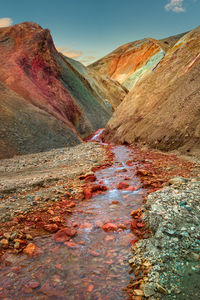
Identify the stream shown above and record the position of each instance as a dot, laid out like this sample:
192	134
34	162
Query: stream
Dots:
94	264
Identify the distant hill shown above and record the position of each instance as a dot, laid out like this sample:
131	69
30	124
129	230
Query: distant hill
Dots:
131	62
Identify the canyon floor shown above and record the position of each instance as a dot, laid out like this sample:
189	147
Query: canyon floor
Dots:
99	221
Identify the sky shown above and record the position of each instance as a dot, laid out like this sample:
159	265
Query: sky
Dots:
87	30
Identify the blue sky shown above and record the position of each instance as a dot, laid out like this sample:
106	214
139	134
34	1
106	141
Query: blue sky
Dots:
89	29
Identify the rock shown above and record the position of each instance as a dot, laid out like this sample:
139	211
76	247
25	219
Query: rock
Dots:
7	235
87	193
122	226
148	290
177	180
4	243
17	245
161	289
32	250
64	235
51	228
138	293
122	185
131	261
55	220
71	204
109	227
94	253
34	284
29	237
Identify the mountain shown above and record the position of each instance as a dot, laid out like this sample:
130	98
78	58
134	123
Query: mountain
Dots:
163	109
26	128
133	61
51	86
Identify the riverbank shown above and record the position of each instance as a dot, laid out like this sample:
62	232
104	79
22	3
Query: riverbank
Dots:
38	187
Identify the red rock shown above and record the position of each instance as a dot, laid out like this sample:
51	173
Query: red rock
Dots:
90	178
71	204
87	192
129	163
51	228
71	244
94	253
134	225
64	235
34	284
140	225
98	187
122	185
130	189
109	227
133	242
115	202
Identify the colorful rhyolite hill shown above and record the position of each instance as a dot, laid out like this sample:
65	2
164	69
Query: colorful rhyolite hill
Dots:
35	77
133	61
163	108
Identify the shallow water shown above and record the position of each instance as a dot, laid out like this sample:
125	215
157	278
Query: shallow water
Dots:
95	265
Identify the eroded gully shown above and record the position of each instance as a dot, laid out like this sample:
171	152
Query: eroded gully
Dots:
94	264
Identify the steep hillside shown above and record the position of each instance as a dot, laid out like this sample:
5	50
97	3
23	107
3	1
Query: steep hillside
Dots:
106	88
31	66
163	109
133	61
33	69
27	129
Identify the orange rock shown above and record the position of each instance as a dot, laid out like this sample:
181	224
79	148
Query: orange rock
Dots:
51	228
90	288
31	250
64	235
109	227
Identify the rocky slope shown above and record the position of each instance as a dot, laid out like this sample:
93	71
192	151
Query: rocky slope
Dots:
26	128
48	85
163	109
131	62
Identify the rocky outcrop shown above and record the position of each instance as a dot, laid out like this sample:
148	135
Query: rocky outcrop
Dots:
163	109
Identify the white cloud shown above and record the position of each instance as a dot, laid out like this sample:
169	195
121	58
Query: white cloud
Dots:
70	53
4	22
175	6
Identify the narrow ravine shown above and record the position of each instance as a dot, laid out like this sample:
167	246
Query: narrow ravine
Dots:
94	263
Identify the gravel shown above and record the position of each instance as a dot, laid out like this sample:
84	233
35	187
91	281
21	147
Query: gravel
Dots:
173	216
29	182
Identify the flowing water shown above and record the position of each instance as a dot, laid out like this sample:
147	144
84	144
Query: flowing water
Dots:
93	266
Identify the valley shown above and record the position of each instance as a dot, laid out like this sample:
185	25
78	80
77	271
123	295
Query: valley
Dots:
99	169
